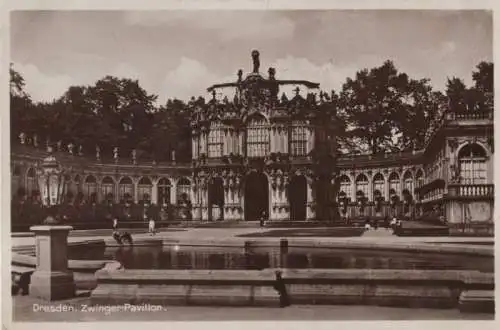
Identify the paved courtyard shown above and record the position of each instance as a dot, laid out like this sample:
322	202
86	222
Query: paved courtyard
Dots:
234	234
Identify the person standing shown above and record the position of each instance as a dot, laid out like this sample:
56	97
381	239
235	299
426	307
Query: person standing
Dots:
115	223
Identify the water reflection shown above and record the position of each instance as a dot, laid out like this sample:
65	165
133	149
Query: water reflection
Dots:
186	257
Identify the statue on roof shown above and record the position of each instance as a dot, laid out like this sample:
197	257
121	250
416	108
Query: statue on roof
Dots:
256	61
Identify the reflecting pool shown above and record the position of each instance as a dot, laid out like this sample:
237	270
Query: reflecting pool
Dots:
191	257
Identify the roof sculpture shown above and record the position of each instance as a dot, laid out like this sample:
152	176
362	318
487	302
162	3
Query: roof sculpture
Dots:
255	94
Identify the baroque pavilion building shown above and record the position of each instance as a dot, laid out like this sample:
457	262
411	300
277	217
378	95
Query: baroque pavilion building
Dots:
253	156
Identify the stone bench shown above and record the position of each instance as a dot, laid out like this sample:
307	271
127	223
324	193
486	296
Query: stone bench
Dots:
477	301
21	277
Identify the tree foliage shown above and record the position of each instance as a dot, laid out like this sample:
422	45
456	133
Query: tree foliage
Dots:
380	110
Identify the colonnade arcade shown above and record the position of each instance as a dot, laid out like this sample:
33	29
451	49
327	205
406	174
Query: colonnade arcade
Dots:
98	188
380	182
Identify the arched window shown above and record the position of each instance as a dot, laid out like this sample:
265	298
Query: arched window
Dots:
125	188
144	189
298	141
107	187
345	186
257	137
31	185
394	184
408	182
183	187
378	184
164	186
362	184
419	178
472	160
16	173
90	186
215	140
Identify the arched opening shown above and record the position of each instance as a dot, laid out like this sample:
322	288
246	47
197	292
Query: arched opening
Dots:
345	187
472	160
31	186
144	189
164	186
126	189
419	178
378	185
16	175
394	184
183	190
216	199
408	182
297	197
107	188
90	188
362	185
256	196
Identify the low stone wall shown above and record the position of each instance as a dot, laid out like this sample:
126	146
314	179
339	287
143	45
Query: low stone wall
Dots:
420	289
186	287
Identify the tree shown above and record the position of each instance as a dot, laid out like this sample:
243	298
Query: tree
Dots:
456	92
369	103
483	77
420	104
483	85
21	106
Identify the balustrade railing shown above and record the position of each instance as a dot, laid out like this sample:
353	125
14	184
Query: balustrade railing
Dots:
476	190
473	115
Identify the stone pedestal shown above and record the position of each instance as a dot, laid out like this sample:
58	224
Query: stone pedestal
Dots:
52	280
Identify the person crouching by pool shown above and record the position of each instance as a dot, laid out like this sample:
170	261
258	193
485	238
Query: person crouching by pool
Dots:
152	230
367	224
393	223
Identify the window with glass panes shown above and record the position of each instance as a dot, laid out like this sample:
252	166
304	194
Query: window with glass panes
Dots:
408	182
298	141
472	159
394	183
257	137
345	186
378	184
215	140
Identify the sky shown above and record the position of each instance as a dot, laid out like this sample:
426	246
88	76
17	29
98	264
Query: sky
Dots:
178	54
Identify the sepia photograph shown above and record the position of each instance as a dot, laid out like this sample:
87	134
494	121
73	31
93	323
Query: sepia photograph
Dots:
251	165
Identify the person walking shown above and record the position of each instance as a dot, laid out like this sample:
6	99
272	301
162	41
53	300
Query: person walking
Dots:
152	231
263	219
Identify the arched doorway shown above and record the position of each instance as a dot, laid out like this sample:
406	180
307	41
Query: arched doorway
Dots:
256	196
297	197
216	199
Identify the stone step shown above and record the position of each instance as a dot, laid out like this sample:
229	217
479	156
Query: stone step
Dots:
477	301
